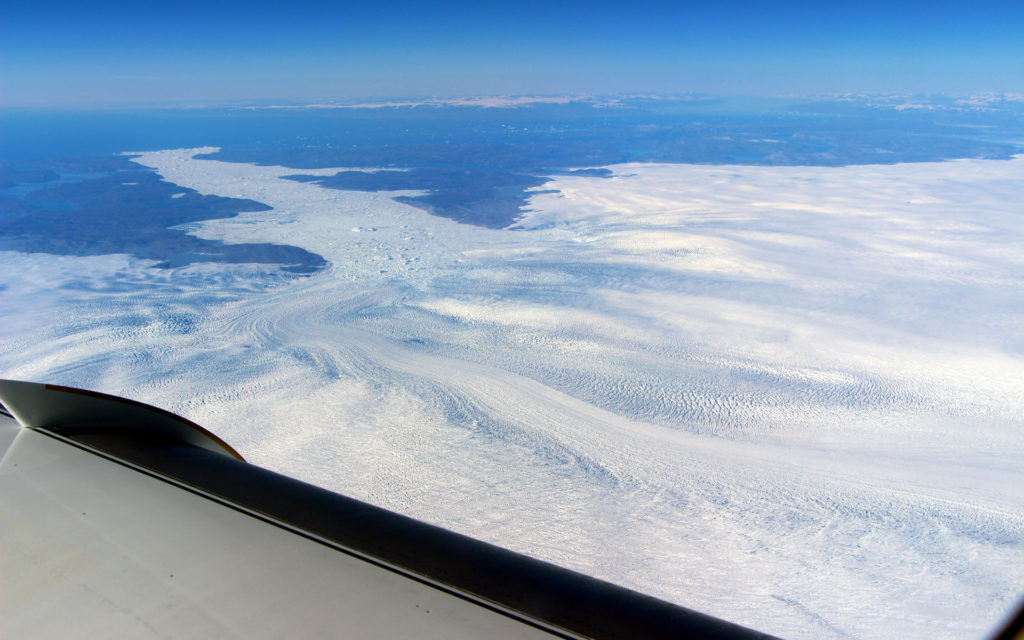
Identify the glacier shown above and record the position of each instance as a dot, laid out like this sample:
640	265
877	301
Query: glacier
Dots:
792	397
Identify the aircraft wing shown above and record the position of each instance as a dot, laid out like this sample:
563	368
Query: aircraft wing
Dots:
118	519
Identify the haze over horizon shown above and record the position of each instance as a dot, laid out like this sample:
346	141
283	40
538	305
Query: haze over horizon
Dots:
114	52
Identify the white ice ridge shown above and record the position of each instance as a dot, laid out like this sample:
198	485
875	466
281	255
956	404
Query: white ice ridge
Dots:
786	396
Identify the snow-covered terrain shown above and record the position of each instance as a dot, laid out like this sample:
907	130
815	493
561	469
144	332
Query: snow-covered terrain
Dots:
792	397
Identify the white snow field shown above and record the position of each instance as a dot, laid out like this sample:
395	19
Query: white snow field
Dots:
792	397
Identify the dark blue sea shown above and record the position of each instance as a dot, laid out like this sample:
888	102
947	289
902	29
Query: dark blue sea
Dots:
65	188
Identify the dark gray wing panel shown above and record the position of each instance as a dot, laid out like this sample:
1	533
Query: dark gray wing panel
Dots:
280	550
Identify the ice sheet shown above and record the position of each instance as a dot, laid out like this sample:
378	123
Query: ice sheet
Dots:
786	396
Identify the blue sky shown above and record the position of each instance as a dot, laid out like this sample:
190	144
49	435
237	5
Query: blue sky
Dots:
200	52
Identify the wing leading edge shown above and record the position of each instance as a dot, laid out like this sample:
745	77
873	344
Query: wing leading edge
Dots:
120	519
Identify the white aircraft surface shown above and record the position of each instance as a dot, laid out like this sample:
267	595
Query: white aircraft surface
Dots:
121	520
